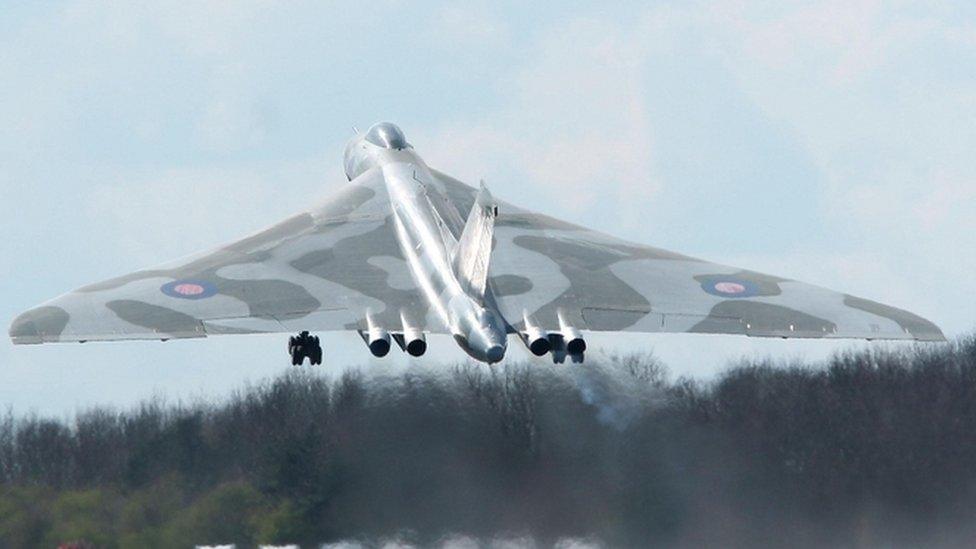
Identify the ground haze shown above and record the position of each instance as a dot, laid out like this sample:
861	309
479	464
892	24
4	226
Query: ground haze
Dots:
870	449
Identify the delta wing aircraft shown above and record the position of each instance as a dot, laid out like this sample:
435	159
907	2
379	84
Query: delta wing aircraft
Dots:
393	256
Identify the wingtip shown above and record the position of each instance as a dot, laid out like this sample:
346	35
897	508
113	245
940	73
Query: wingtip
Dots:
40	324
933	337
22	330
927	332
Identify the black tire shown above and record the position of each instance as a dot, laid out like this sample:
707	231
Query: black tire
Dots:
316	354
297	355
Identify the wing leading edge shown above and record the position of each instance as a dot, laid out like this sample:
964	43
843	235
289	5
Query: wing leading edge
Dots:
323	269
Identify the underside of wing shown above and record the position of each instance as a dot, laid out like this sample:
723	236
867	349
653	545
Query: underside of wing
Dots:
553	273
323	269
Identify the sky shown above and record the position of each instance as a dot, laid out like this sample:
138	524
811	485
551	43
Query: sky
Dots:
832	142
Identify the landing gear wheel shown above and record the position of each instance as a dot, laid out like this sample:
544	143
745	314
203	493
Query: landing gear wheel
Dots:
315	355
304	346
297	356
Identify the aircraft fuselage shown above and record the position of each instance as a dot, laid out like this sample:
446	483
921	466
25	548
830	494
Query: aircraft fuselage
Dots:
427	242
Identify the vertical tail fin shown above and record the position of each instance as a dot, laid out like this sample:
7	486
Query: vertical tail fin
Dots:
473	252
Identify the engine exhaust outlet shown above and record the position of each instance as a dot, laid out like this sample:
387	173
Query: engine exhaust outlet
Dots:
414	342
376	338
575	344
535	338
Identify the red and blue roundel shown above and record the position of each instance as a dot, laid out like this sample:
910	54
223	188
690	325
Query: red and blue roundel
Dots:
730	286
189	289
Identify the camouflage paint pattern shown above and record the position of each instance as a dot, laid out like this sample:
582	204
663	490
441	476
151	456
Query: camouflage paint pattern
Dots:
352	257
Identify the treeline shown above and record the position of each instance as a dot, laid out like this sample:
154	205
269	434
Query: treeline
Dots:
869	449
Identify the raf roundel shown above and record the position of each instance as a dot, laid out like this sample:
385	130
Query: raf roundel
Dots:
731	287
189	289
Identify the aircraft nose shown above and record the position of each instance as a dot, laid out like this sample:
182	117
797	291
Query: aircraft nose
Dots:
38	325
386	135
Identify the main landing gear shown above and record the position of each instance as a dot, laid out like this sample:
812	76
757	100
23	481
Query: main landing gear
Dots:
304	345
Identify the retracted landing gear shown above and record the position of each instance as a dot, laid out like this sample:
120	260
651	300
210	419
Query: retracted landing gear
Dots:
304	346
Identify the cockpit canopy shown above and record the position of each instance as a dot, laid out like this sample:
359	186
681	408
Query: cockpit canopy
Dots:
387	135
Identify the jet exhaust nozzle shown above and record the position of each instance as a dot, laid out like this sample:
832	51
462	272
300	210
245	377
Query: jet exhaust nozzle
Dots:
575	344
378	341
536	340
416	347
412	339
414	342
